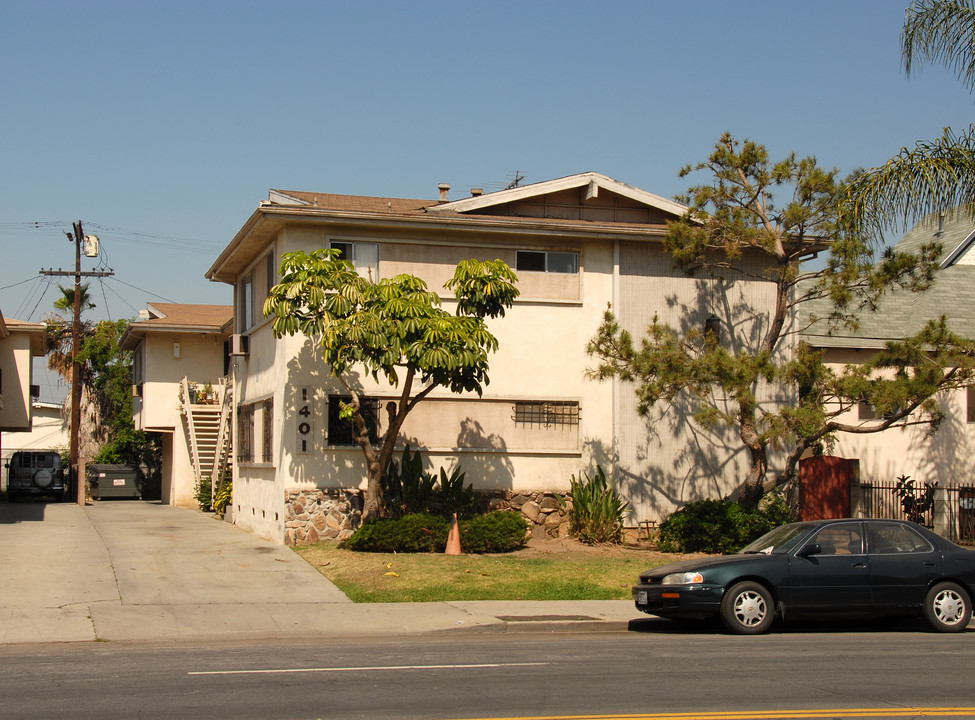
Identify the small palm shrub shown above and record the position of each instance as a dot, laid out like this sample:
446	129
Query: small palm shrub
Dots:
408	489
597	509
224	496
721	526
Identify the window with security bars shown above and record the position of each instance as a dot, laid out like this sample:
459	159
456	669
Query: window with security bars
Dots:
245	433
554	414
341	431
267	430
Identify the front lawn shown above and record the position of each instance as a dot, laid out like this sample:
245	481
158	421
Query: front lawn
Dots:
564	571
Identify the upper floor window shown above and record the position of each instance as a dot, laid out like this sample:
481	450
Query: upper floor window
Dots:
253	290
363	255
551	262
245	302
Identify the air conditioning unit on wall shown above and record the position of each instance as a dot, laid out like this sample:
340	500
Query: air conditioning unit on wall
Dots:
239	344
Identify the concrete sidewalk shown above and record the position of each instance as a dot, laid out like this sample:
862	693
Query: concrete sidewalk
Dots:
130	570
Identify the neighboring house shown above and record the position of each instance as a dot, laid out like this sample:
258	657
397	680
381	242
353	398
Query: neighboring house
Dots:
49	431
578	245
20	343
179	352
948	456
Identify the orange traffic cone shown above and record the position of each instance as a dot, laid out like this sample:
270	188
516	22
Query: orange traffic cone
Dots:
453	539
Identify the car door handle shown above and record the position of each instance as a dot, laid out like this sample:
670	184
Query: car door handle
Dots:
930	564
859	565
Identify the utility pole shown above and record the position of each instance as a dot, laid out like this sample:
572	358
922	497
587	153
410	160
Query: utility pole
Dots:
77	467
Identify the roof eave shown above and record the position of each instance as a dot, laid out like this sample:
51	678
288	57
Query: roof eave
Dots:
268	220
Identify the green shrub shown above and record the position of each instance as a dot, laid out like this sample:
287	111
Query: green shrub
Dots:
203	495
407	489
421	532
597	509
497	532
721	526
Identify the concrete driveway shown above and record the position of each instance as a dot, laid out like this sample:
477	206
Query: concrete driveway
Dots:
141	569
132	570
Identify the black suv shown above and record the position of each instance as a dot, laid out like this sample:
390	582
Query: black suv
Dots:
36	472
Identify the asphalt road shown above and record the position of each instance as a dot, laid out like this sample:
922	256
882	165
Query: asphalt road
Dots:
659	669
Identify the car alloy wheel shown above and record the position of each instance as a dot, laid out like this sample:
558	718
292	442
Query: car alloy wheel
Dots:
747	609
947	608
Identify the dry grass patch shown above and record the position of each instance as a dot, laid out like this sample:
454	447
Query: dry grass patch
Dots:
546	570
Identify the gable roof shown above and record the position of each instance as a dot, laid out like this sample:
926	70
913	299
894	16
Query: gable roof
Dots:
593	182
902	313
179	318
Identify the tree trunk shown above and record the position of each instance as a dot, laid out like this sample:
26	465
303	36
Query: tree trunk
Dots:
753	487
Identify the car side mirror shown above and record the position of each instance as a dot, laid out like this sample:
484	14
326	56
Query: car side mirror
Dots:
811	549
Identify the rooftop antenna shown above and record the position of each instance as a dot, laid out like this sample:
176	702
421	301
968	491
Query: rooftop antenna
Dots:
516	181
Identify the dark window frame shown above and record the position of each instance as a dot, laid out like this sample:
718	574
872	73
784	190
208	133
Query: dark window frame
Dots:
545	261
245	433
341	432
547	413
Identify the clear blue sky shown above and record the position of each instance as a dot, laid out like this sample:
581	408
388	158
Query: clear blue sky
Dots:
162	125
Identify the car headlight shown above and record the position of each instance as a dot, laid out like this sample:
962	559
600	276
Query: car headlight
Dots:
685	578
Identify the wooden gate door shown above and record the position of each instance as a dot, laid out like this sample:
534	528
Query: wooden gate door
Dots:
824	487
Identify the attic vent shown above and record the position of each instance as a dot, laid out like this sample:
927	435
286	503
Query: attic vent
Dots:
477	192
444	189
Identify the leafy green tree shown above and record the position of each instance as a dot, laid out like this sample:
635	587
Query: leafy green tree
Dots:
108	370
394	330
933	176
738	217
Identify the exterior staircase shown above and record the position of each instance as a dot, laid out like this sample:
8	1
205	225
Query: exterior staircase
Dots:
208	426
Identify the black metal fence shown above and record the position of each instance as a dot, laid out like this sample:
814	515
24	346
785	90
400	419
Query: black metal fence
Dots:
880	500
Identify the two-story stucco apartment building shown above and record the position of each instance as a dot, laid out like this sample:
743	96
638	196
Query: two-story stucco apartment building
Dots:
178	352
579	244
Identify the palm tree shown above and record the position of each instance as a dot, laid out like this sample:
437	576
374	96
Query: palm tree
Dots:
65	303
932	176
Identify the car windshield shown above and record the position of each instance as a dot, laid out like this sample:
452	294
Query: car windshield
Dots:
780	539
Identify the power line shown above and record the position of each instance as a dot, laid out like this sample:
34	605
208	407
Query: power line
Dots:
143	290
171	242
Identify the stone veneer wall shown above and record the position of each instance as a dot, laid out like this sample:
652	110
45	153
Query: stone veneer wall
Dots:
313	515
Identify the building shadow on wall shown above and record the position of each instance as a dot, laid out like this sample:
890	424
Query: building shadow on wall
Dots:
669	458
486	456
482	456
